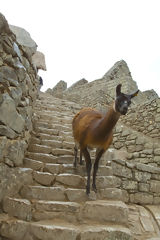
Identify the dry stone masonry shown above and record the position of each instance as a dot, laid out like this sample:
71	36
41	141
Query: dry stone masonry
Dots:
42	196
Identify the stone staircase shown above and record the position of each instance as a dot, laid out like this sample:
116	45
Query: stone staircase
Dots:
55	205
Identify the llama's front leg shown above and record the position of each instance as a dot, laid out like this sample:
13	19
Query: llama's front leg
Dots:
88	168
81	161
98	156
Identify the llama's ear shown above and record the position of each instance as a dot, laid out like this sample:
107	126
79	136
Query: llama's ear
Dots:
134	94
118	89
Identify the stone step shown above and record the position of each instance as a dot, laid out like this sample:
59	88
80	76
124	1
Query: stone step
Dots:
45	230
47	131
45	210
58	114
43	136
62	152
43	193
34	164
42	157
44	178
106	211
60	127
81	170
20	208
36	148
71	180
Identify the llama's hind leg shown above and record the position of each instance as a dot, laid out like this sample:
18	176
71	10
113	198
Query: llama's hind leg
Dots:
88	168
80	160
75	156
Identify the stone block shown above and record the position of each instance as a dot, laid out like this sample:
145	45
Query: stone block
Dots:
143	187
77	195
147	168
142	176
155	186
43	178
71	180
108	182
46	231
141	198
20	208
121	171
129	185
35	165
14	229
105	232
43	193
103	211
53	168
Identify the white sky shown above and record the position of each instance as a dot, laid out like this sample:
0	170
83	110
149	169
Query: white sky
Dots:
84	38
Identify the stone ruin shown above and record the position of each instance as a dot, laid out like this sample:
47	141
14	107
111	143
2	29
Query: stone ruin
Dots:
41	195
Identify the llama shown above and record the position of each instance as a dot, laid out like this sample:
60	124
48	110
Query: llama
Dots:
91	129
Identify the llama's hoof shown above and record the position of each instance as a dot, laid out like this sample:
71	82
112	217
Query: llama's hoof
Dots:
81	163
94	188
87	191
75	165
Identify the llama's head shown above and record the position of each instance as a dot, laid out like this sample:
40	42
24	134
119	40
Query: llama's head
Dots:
122	100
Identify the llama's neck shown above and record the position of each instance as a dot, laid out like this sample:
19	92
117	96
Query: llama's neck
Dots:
109	121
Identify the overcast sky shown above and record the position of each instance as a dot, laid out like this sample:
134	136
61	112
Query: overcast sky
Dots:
84	38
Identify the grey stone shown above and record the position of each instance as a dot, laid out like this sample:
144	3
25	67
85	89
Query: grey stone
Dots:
130	185
141	198
15	151
24	39
155	186
6	131
9	116
121	171
147	168
142	176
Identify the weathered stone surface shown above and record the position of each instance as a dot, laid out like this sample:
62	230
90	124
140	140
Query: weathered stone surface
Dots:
130	185
155	186
70	180
20	208
46	231
3	141
112	211
4	27
39	60
77	195
57	206
142	176
108	182
141	198
15	229
43	193
24	39
121	171
43	178
53	168
10	186
9	116
35	165
15	151
105	232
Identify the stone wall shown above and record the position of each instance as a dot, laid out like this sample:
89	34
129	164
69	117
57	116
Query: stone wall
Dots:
18	92
140	182
145	118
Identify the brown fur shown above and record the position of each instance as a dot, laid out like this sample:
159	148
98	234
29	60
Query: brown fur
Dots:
93	129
